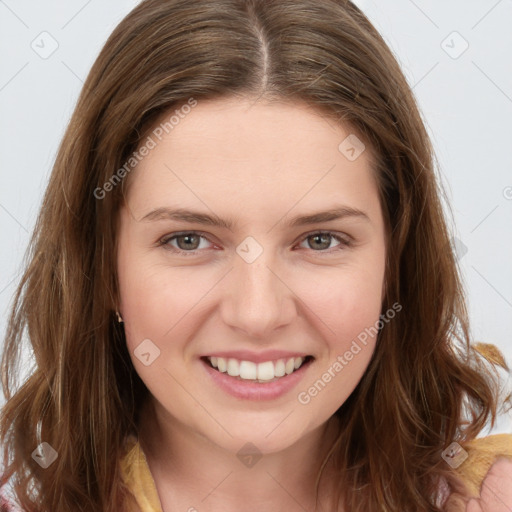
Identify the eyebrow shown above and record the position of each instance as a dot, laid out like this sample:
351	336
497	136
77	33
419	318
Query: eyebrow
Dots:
181	214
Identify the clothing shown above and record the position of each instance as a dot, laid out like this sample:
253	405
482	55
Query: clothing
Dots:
138	478
482	452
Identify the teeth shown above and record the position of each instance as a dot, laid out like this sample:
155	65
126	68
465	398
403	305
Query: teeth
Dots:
222	364
266	371
279	368
262	372
233	368
248	370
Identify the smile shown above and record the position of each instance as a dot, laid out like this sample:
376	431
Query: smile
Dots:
266	371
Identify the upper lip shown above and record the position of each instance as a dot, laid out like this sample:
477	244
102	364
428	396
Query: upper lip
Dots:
257	357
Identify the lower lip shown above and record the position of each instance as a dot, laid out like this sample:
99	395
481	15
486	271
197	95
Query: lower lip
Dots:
248	390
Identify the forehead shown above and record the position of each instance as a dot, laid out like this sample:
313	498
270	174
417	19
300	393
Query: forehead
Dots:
252	154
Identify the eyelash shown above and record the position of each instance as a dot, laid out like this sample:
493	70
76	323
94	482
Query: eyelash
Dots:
163	242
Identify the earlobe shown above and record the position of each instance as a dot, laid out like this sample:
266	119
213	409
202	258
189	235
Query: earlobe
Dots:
119	319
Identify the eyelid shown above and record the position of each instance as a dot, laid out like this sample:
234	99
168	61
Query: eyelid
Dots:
344	240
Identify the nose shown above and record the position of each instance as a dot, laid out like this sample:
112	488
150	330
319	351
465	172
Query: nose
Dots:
257	300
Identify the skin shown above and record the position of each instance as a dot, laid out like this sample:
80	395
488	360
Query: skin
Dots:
258	164
496	490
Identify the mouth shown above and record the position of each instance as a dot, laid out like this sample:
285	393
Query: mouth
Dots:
264	372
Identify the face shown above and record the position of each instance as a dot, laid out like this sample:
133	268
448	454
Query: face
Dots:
246	276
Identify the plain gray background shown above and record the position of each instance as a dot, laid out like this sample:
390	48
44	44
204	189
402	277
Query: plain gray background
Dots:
456	56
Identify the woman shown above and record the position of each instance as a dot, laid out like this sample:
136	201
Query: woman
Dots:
198	332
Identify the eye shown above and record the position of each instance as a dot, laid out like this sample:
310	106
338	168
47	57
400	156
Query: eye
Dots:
189	243
321	240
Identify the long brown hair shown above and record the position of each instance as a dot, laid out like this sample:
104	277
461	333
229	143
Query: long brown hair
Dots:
83	395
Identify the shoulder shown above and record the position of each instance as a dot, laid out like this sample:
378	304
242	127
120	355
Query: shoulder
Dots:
486	474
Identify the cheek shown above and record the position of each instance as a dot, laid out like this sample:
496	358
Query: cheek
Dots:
154	299
347	307
158	308
345	301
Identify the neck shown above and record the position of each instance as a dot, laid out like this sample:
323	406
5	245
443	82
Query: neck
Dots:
192	473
